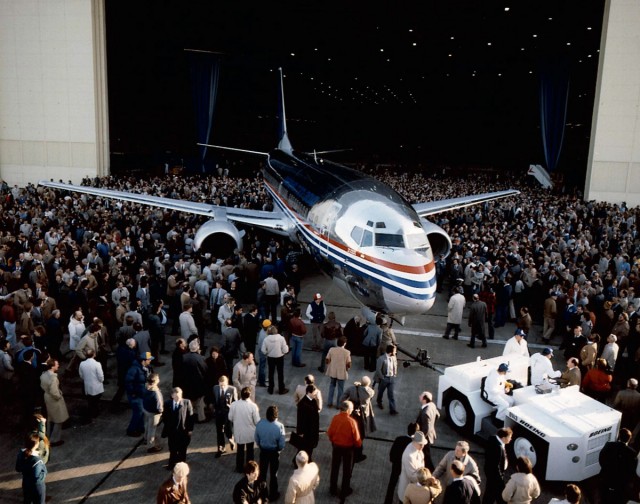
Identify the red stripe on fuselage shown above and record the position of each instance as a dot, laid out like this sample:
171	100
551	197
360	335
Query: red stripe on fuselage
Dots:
415	270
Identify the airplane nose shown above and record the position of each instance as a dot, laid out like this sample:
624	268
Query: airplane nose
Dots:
402	303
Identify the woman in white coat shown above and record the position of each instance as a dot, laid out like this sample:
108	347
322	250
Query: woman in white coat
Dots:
244	416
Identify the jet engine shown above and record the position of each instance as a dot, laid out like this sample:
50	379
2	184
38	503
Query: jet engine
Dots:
218	237
438	239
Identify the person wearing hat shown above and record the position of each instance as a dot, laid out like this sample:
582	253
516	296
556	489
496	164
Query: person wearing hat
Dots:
550	314
135	385
316	313
517	344
412	462
541	367
262	357
496	388
459	454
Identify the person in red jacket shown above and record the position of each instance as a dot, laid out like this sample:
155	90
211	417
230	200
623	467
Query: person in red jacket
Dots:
345	438
597	382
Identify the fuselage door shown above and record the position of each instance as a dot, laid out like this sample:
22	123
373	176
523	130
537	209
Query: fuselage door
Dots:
324	248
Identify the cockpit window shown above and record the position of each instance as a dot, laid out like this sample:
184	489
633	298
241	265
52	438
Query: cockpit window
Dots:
389	240
367	239
417	241
356	234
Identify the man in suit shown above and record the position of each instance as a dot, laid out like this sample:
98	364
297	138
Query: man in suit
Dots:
427	420
223	395
395	456
178	421
308	420
477	320
460	454
386	372
618	463
462	489
495	465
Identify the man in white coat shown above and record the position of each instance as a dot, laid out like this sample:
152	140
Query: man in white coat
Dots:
412	461
517	345
455	308
541	367
244	416
91	373
496	387
303	481
76	329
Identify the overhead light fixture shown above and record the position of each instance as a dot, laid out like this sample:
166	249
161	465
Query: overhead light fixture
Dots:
506	9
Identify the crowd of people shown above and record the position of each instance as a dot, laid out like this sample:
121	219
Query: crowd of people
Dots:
85	280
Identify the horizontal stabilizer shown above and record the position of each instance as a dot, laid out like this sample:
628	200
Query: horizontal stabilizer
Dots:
234	149
541	175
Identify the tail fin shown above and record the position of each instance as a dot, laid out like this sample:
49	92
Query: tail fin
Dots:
284	144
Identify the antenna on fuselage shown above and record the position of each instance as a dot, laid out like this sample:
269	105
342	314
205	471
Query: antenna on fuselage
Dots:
284	144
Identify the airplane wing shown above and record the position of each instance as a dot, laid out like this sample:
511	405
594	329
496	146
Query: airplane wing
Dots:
435	207
273	221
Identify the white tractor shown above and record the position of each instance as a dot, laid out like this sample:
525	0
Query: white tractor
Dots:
562	431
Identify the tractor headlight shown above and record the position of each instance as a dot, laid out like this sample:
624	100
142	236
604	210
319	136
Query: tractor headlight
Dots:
572	447
575	460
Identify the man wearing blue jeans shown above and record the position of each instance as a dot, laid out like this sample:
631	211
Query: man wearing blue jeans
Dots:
386	372
298	330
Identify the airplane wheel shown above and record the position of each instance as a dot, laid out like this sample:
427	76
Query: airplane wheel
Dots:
459	412
527	444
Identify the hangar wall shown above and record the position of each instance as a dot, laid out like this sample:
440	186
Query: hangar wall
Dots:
53	90
613	170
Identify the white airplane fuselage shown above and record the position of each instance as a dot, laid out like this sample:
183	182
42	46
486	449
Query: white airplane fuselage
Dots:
361	231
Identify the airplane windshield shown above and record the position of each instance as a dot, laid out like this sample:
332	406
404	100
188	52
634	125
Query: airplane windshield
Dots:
389	240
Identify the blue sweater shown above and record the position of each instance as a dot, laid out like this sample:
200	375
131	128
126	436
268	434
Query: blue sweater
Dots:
270	435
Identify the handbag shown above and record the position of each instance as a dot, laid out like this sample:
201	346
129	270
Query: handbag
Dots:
297	441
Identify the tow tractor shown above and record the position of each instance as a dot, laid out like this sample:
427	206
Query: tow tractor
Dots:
561	430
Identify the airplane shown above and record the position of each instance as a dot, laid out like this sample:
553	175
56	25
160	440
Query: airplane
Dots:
375	245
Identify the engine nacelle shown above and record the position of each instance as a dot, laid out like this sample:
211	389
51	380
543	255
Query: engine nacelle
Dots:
438	239
220	238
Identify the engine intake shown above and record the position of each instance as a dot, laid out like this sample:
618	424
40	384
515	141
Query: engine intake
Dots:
438	238
220	238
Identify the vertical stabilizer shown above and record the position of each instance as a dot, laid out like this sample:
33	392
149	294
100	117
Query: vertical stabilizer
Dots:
284	144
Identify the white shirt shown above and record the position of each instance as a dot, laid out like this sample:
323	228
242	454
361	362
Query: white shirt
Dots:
540	366
514	347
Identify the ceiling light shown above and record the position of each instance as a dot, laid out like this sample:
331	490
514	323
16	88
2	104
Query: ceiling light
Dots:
293	54
414	44
588	28
506	9
534	35
488	43
452	38
568	43
381	50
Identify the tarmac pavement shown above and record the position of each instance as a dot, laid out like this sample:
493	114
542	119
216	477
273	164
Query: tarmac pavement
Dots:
99	463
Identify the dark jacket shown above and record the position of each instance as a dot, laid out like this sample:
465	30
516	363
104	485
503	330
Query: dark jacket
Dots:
136	379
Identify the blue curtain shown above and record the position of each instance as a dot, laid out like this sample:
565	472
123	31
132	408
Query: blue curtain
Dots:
554	96
205	72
